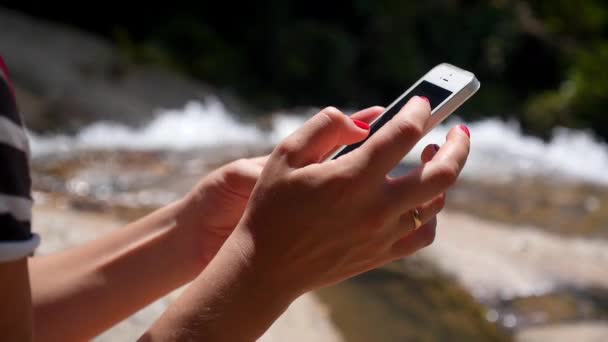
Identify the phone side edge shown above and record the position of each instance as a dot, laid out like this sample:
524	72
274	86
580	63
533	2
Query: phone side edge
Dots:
453	103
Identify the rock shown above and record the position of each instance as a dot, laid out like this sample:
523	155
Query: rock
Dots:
129	184
415	303
564	206
61	227
497	260
567	332
528	277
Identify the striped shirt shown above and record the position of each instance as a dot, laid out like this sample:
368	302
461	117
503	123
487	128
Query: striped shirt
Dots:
16	238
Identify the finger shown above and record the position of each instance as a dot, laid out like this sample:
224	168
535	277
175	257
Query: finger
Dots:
429	152
366	115
241	176
385	149
431	208
418	239
318	136
369	114
433	177
261	161
427	211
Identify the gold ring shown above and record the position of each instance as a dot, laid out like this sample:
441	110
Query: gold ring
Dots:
416	217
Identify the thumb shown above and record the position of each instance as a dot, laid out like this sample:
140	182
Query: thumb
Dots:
319	135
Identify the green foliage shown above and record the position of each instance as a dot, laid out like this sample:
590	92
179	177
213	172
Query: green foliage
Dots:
540	61
581	31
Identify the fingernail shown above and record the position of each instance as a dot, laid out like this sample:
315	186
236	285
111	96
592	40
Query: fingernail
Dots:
7	77
465	129
361	124
435	147
425	99
3	68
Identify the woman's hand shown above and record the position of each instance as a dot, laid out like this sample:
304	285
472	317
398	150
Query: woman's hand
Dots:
213	208
309	224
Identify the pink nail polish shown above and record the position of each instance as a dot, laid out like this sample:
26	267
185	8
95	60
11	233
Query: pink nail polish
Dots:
465	130
7	77
3	68
425	99
361	124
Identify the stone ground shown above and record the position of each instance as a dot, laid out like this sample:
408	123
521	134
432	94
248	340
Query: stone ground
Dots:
60	228
471	249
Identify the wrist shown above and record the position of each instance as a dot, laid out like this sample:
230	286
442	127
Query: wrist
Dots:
186	239
265	277
231	290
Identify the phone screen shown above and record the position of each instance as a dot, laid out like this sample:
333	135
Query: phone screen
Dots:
434	93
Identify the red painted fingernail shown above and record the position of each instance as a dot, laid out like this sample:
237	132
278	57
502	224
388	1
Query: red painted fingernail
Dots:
4	72
425	99
435	147
361	124
465	129
3	68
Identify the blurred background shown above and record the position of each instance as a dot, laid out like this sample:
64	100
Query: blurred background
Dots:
128	107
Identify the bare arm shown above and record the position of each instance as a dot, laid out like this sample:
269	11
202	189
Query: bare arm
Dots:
81	292
15	310
229	301
16	240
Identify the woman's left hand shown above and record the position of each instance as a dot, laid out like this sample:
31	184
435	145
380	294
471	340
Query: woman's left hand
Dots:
214	207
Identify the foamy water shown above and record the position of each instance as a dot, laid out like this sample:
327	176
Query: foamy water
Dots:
499	150
197	124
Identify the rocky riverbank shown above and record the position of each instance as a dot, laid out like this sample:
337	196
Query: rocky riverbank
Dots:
481	280
84	195
520	251
62	226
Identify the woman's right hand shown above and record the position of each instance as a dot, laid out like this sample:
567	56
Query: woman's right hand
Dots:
311	223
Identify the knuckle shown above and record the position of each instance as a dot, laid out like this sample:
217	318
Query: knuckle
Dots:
285	148
341	179
446	174
331	118
331	111
440	203
308	179
427	235
340	185
342	175
239	164
234	168
322	182
332	115
408	130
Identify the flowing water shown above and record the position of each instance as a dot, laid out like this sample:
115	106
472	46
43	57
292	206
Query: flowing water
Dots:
540	208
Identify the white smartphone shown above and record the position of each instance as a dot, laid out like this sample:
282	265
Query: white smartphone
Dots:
446	86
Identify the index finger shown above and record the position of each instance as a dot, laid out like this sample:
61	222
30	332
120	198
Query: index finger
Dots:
394	137
368	114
